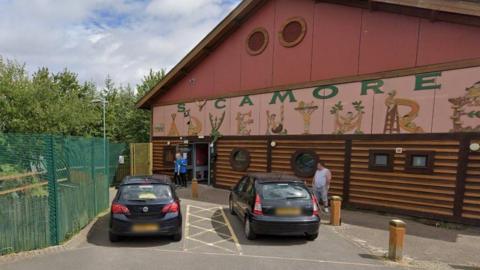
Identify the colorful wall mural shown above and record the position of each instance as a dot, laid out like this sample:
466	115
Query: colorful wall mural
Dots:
439	102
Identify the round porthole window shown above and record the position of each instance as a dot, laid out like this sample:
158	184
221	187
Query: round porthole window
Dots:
240	159
304	163
293	32
257	41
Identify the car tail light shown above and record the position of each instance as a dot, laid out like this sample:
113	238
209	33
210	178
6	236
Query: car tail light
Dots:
171	208
257	209
315	205
118	208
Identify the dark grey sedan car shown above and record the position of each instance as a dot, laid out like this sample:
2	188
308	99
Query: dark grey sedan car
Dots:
146	206
273	203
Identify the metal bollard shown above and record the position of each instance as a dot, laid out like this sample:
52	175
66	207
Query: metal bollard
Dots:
336	206
397	237
194	188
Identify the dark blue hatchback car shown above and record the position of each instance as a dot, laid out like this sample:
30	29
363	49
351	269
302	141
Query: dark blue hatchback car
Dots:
146	206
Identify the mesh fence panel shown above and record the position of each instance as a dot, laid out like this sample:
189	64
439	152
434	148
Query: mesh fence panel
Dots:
51	187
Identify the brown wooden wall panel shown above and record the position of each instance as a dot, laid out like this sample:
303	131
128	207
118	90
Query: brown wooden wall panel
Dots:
332	152
471	201
157	156
426	193
225	176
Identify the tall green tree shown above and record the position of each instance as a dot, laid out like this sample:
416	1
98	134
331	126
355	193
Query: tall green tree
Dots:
58	103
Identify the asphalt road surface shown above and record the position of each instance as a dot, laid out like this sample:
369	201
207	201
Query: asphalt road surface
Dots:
212	239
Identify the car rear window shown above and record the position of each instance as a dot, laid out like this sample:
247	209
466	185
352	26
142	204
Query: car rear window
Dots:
284	191
145	193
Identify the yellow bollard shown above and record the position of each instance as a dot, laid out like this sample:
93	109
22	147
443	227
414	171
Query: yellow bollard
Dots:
194	188
397	237
336	206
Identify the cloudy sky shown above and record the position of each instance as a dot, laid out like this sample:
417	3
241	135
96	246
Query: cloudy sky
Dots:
122	38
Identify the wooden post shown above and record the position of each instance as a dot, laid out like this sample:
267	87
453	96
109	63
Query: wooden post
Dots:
194	188
336	205
397	236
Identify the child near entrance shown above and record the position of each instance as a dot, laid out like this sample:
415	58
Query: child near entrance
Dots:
180	170
321	184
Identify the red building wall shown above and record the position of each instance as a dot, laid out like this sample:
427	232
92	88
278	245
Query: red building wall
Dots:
340	41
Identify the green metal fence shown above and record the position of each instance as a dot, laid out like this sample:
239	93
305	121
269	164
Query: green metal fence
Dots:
51	187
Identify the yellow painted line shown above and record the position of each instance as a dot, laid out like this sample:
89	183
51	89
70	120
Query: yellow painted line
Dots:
194	211
292	259
208	244
187	227
206	219
234	236
203	209
209	230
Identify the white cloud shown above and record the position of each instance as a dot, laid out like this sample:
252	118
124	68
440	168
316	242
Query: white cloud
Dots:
122	38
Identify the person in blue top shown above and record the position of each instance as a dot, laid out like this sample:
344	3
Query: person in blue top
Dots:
176	176
180	170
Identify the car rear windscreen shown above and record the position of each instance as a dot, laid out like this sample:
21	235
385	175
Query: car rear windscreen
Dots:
284	191
145	193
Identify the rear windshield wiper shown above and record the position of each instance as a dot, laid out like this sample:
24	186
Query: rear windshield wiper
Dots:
138	200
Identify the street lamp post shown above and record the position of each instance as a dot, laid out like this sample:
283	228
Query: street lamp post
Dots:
104	102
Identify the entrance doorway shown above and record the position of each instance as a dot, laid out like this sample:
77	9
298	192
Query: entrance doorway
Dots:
201	162
198	159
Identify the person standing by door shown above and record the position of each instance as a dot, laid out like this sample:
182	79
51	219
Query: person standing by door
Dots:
321	184
176	166
181	167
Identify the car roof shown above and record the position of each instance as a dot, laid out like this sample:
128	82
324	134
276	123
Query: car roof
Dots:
150	179
274	177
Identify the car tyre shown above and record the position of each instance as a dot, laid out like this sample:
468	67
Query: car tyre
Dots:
311	237
113	237
230	207
248	230
177	237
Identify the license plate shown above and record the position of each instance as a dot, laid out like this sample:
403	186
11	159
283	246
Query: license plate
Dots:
142	228
288	211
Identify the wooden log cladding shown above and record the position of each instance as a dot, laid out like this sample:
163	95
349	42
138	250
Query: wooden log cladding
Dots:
157	156
471	200
330	151
225	176
400	189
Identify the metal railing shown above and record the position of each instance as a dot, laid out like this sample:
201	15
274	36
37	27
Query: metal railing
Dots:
51	187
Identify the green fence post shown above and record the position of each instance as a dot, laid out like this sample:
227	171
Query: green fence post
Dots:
52	191
93	179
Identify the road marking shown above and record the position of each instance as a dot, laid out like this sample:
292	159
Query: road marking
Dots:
187	227
392	264
195	211
234	236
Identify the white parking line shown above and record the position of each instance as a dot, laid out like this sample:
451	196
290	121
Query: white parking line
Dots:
194	211
392	265
234	236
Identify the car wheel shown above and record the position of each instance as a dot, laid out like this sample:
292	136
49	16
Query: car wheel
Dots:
248	230
177	237
230	207
113	237
311	237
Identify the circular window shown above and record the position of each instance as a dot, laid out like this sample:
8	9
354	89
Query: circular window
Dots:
304	163
257	41
293	32
240	159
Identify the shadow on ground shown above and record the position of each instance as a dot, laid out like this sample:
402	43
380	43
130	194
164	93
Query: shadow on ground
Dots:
206	194
98	235
262	240
464	267
424	228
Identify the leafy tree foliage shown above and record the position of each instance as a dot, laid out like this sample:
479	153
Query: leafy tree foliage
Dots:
58	103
